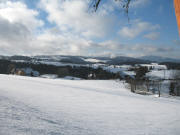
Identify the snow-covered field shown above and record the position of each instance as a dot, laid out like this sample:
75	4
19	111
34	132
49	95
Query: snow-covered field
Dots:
162	74
38	106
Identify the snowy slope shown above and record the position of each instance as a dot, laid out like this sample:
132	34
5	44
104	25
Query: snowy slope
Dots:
93	60
37	106
162	74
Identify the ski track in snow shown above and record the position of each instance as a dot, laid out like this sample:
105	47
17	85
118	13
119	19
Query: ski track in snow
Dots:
36	106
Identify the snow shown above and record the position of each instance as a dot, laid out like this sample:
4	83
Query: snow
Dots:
72	78
94	60
116	69
49	76
22	61
38	106
130	73
155	66
162	74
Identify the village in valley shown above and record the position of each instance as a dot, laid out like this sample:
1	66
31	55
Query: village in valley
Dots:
152	78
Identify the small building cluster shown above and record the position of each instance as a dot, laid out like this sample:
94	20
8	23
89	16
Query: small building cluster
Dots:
24	72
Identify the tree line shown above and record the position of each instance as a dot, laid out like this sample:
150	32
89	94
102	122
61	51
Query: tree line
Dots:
83	72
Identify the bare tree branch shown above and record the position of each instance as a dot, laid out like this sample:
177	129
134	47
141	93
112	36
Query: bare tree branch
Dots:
125	3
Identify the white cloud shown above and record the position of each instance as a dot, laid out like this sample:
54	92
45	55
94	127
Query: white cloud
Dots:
152	35
12	31
49	43
18	25
72	33
3	1
112	45
136	28
17	12
72	16
151	49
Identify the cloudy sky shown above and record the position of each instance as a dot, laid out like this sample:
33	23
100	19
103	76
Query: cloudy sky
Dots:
70	27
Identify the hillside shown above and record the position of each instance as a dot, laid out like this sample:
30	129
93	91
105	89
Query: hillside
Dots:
36	106
62	59
159	59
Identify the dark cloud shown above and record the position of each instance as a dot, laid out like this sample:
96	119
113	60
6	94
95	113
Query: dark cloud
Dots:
12	31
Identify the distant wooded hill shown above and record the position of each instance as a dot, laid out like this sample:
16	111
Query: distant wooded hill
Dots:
90	60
